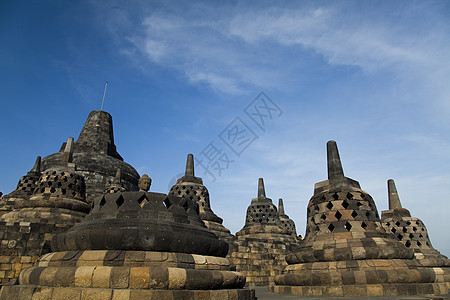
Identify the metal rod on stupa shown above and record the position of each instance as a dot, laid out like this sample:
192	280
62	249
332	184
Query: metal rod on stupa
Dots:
394	199
261	189
190	165
37	165
335	170
104	94
280	207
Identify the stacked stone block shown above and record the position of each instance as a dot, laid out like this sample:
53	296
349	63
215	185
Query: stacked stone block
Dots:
347	252
262	244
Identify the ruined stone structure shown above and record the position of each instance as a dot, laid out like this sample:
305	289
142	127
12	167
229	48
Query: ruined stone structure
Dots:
192	187
134	245
263	242
287	223
347	252
410	231
94	156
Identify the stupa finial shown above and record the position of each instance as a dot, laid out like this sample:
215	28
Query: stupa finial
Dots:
68	151
335	170
261	189
118	177
190	165
280	207
394	199
37	165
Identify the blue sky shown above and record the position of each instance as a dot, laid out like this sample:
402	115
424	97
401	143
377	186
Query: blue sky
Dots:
372	75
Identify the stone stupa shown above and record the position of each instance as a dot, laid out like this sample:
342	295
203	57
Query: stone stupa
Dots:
410	231
134	245
347	252
192	187
287	223
263	242
94	156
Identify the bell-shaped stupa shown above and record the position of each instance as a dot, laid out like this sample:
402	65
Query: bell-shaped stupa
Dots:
24	189
94	156
263	242
410	231
192	187
347	252
135	245
287	223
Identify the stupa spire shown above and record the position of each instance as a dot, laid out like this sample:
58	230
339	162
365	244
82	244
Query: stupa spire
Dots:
37	165
335	170
261	189
394	199
68	151
280	207
190	165
118	177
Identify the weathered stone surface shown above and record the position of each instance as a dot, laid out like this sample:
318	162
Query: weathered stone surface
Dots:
347	252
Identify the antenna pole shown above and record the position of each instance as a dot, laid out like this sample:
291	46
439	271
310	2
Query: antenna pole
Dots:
104	94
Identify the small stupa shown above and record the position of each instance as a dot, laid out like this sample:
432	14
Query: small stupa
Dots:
347	252
410	231
134	245
192	187
24	189
287	223
263	242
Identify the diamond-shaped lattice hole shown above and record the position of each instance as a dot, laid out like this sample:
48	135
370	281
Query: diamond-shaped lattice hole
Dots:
142	201
408	244
428	244
354	214
316	208
322	198
186	206
120	201
397	223
317	228
345	204
323	217
335	196
400	237
349	196
420	235
411	235
408	223
367	214
330	205
419	243
404	229
414	228
348	226
331	227
388	224
363	225
338	215
393	230
103	202
359	204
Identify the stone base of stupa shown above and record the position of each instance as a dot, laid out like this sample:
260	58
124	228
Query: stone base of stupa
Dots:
361	278
117	274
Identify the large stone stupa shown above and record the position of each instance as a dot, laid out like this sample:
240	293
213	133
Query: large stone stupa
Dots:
94	156
134	245
347	252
